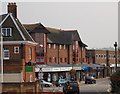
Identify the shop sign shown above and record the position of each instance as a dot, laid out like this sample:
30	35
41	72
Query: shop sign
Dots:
65	68
77	68
56	69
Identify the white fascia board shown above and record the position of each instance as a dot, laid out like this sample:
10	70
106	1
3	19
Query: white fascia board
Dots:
4	20
28	33
19	42
17	27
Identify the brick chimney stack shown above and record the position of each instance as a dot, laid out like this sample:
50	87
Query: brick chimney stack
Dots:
12	8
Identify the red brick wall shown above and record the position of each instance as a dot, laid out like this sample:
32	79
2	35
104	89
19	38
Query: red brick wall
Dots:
55	53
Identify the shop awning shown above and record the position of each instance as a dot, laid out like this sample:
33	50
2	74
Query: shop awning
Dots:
96	66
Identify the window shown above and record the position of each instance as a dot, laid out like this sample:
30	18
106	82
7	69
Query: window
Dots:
104	56
99	55
54	46
16	50
6	54
50	60
60	59
39	59
49	45
64	46
7	32
55	60
96	55
60	46
30	53
31	78
65	59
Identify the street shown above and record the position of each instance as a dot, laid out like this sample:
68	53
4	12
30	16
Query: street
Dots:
101	87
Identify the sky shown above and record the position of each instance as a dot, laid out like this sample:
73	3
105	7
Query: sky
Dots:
96	22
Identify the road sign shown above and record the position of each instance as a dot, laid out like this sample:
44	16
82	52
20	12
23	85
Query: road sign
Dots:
40	74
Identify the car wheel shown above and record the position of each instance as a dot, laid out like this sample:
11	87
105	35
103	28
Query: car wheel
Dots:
85	82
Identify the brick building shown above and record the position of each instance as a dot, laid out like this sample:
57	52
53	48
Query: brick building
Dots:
18	54
39	34
64	50
102	57
65	47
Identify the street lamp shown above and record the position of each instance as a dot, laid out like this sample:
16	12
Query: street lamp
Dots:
1	55
115	45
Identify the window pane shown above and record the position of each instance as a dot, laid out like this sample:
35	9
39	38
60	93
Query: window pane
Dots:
8	32
30	53
4	31
6	54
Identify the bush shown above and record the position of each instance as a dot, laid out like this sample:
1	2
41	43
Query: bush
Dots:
115	82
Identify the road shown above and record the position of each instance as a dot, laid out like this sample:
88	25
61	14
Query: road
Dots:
101	87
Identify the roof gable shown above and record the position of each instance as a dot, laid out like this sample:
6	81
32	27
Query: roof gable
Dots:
59	36
36	28
18	31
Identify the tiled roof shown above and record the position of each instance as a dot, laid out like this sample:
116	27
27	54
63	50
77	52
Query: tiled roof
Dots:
59	36
20	32
2	17
38	28
24	31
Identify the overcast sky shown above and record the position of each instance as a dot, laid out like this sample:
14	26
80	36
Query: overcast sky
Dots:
96	22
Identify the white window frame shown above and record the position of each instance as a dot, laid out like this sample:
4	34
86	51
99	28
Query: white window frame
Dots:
64	46
54	46
8	52
6	33
30	53
96	55
16	49
31	77
60	46
49	45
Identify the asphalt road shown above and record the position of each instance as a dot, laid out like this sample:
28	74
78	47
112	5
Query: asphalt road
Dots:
101	87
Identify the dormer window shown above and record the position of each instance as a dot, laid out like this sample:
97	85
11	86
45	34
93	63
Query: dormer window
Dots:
7	32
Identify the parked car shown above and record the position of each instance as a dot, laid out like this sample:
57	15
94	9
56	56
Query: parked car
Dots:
60	82
46	84
90	80
71	87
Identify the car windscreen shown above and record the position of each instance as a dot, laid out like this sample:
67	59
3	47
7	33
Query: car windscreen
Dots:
73	84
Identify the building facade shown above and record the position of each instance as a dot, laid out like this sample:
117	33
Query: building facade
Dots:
103	57
18	53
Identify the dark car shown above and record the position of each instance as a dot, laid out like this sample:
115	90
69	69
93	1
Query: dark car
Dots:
60	82
71	88
90	80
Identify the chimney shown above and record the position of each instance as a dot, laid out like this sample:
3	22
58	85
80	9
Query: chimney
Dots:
12	8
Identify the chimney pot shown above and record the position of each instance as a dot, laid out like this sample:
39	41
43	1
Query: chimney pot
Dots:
12	8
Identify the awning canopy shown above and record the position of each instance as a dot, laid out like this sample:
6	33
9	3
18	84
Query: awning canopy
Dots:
96	66
61	67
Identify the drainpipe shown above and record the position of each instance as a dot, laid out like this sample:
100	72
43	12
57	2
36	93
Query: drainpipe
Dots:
58	53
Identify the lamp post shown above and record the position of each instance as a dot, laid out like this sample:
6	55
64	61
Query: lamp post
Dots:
1	55
115	45
40	77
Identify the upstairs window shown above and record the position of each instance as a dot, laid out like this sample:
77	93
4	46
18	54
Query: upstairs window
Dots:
6	54
30	53
16	50
49	45
64	46
60	46
54	46
7	32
